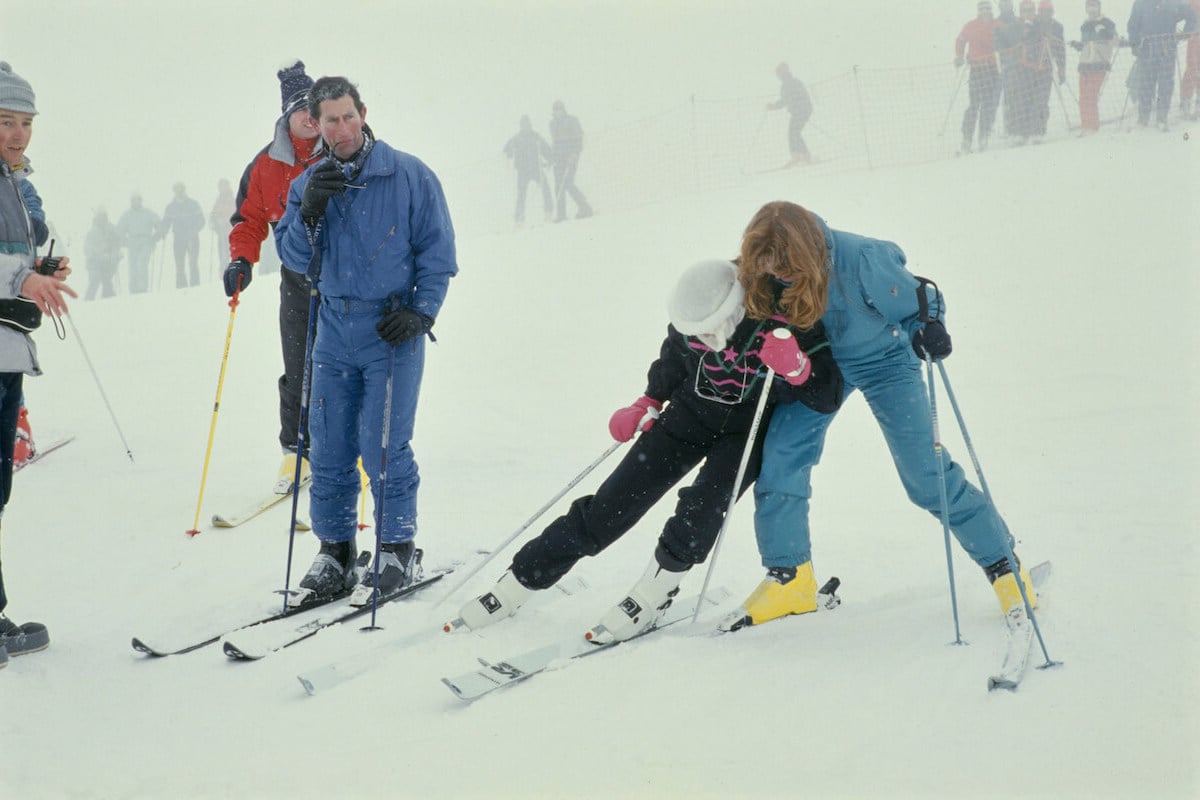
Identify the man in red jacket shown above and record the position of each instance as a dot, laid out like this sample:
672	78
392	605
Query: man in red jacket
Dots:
261	201
976	46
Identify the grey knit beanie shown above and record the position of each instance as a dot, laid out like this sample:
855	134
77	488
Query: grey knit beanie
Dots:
15	92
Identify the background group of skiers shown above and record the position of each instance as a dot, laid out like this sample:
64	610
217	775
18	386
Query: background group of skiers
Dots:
137	234
1020	58
530	154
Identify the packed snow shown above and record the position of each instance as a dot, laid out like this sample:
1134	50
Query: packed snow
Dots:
1069	272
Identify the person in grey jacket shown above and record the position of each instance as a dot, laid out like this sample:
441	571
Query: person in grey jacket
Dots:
29	286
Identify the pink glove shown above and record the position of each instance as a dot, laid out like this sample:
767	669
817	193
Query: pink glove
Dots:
640	416
781	353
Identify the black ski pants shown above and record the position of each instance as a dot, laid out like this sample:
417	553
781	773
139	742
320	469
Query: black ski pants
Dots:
294	301
983	87
686	434
10	406
564	184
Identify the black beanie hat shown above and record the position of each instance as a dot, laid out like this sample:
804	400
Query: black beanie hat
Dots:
293	87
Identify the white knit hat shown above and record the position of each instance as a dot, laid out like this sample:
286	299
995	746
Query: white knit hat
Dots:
706	297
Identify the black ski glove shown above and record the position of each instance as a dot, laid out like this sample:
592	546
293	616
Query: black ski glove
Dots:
237	274
325	181
401	325
932	339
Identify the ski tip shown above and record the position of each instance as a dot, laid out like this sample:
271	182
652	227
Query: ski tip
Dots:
309	689
144	648
238	654
995	683
450	685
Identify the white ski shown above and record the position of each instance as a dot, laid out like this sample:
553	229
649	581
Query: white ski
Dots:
335	673
265	504
495	675
1020	637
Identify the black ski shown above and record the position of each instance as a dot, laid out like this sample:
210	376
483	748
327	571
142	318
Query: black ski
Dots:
364	558
245	651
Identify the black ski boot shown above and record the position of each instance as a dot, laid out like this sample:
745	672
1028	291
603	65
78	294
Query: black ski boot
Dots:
18	640
332	572
399	565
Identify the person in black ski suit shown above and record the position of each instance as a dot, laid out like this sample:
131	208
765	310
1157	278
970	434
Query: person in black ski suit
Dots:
529	152
566	137
794	97
709	375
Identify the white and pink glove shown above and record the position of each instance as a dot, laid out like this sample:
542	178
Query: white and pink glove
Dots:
781	353
640	416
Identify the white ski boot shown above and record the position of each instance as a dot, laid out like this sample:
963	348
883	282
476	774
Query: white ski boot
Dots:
641	608
501	602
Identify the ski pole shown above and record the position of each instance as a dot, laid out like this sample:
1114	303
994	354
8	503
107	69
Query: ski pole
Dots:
953	97
382	482
313	273
737	482
536	515
99	386
938	452
944	502
1009	554
212	428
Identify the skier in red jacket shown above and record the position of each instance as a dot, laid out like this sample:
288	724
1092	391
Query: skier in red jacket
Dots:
261	201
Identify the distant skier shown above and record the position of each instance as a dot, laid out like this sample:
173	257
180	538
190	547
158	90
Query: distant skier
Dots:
1097	45
566	137
1153	35
184	216
529	152
794	97
976	46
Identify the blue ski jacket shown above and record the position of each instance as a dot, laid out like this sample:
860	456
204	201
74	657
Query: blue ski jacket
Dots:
873	303
387	234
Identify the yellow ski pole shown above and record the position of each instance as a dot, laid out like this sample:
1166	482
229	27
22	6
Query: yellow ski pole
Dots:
212	430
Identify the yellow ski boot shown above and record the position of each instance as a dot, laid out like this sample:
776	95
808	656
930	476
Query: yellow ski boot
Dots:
1004	583
287	473
785	591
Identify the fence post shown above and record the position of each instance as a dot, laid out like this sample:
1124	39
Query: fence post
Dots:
862	117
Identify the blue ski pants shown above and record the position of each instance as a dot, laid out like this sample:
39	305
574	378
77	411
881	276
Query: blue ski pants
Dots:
896	394
350	366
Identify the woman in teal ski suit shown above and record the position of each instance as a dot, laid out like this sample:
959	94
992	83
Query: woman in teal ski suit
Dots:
792	263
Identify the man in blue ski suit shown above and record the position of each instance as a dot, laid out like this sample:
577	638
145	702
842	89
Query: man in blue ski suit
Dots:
371	228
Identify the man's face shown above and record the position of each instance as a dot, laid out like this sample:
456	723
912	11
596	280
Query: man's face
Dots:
1093	10
342	126
302	125
15	130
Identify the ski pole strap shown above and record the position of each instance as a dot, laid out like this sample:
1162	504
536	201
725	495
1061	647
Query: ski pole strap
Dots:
923	298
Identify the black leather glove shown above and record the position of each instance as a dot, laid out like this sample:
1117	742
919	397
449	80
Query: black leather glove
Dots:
932	339
237	275
401	325
325	181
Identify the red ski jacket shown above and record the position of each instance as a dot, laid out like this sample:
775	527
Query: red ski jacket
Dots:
977	41
262	193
